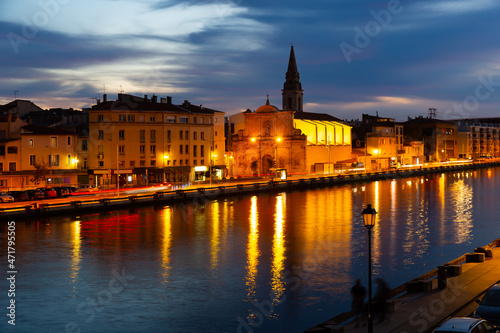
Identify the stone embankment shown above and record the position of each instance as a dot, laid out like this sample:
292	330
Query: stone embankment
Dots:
419	305
78	205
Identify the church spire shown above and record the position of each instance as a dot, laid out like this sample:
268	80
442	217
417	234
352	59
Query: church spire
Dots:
292	89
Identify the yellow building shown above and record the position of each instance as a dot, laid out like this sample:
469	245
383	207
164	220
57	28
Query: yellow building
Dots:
53	147
145	141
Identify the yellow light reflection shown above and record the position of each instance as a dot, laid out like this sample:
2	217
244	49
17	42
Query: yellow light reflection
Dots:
167	243
252	249
461	213
76	255
278	250
215	240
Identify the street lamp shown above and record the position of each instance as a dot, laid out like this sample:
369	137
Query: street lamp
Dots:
50	164
369	220
165	157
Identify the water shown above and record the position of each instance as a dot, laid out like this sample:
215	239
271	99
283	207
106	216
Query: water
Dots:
267	263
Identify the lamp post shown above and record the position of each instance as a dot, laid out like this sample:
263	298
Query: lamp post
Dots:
165	157
369	220
50	164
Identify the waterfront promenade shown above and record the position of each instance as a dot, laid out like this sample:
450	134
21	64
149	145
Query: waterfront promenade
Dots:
421	312
208	191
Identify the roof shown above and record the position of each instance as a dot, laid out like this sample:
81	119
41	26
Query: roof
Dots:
315	116
134	103
425	120
43	130
267	107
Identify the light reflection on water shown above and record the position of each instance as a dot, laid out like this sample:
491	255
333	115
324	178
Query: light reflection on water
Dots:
269	262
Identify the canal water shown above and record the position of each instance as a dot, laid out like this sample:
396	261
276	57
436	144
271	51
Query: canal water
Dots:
278	262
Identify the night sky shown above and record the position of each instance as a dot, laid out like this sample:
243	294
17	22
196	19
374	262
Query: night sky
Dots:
354	56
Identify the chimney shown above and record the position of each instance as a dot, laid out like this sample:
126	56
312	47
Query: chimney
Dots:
154	99
145	98
186	103
104	98
163	100
169	100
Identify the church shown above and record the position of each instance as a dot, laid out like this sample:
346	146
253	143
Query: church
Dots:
289	139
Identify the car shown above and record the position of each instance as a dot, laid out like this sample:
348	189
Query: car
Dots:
4	197
19	195
465	325
35	194
489	306
48	192
86	188
61	191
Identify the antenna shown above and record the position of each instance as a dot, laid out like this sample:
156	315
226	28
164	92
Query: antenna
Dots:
432	113
104	88
121	89
15	94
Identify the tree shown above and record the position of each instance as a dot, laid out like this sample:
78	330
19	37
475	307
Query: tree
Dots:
40	172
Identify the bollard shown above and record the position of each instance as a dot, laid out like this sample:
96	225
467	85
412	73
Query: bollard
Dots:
442	277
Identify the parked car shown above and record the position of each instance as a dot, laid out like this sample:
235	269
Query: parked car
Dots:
489	306
4	197
71	189
19	195
86	188
35	194
48	192
61	191
466	325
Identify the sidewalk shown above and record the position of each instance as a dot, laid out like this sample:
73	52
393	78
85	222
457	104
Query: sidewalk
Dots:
421	312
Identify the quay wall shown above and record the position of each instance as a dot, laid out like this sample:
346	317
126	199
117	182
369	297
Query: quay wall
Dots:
80	205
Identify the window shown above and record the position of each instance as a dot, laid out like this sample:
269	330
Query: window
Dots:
12	166
152	149
183	120
11	150
170	119
141	118
180	162
153	136
180	135
68	161
69	141
131	118
186	135
202	135
121	134
202	151
53	160
142	163
100	149
85	163
201	120
153	162
131	164
142	149
122	118
194	120
53	141
168	149
173	162
180	149
142	136
31	143
32	159
187	162
121	150
1	167
100	135
215	133
100	118
195	135
101	164
202	162
84	145
122	163
152	119
195	162
169	135
187	149
194	151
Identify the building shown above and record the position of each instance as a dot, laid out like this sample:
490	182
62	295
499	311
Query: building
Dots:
439	137
477	139
291	139
141	141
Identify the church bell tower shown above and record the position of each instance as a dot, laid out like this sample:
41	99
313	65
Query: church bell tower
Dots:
292	89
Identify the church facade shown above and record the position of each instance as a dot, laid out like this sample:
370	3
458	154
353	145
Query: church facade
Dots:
292	139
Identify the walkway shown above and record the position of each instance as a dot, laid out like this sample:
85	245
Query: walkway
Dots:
421	312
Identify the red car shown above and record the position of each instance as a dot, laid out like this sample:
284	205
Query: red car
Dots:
48	192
